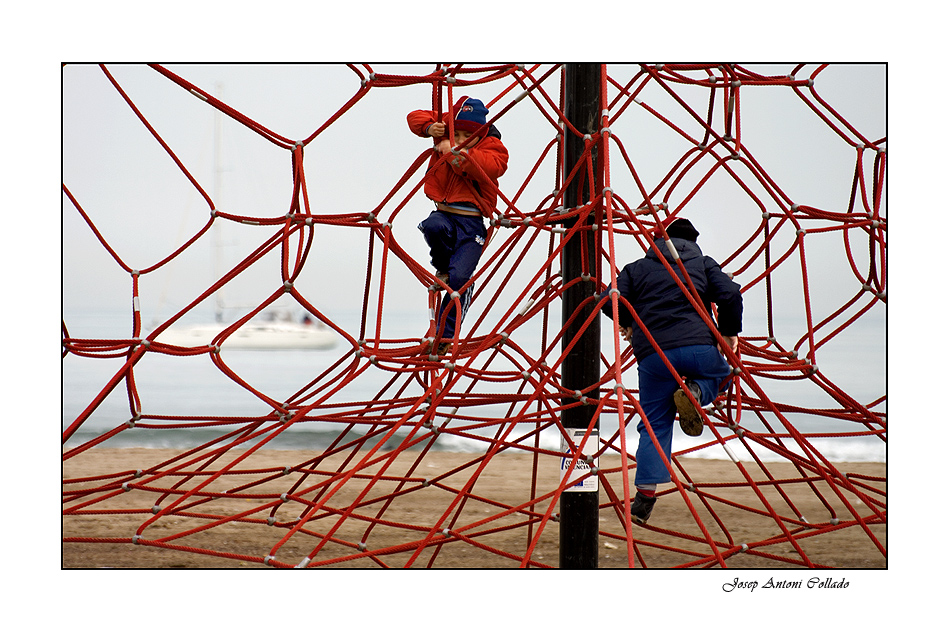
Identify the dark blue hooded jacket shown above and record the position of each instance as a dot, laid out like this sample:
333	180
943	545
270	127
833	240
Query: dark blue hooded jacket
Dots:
661	305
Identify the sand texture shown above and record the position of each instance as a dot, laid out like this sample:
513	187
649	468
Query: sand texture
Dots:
447	510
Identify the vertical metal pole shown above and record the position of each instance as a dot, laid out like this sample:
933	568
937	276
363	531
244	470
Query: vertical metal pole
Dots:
579	528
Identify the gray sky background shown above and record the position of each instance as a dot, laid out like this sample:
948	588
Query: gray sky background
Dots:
145	207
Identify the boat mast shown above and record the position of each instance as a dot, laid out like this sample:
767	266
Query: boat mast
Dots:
216	228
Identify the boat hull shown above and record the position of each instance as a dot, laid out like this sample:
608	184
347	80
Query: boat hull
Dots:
251	336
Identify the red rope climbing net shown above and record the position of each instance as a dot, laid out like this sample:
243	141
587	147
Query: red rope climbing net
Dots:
379	487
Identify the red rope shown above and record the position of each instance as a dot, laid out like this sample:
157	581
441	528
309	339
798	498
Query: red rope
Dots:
349	494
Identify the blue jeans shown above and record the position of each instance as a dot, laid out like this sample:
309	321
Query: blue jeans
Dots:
703	365
455	245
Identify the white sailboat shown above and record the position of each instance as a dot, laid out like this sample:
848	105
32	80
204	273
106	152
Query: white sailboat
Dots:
266	334
274	330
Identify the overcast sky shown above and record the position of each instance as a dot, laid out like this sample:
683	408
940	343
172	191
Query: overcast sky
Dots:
145	208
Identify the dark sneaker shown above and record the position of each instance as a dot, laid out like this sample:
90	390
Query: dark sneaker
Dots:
444	348
641	507
443	276
690	420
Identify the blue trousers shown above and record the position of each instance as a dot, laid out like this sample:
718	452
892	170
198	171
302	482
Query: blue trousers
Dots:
703	365
455	245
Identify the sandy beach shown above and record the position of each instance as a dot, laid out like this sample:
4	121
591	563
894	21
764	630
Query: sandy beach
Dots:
407	511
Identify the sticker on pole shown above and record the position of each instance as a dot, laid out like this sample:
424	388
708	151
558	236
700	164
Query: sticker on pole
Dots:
582	467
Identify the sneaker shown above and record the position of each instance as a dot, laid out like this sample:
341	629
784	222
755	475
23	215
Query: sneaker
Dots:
690	420
444	348
443	276
642	507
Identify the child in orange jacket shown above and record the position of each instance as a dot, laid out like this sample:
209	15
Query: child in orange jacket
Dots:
465	190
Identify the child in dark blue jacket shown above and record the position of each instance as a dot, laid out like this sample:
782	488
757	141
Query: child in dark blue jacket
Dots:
685	339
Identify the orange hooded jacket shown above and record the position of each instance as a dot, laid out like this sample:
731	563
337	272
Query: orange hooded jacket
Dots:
471	177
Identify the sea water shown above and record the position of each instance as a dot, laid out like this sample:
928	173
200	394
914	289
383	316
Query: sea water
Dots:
195	387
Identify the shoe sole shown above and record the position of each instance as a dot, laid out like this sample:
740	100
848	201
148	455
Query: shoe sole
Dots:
690	421
648	510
